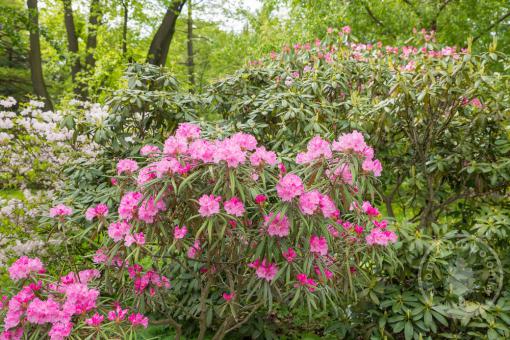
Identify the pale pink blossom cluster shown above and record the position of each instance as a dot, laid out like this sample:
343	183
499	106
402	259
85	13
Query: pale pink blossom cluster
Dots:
319	245
126	166
264	269
99	211
382	237
277	225
60	210
23	267
289	186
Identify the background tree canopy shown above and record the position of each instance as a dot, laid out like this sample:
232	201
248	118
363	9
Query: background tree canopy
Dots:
86	44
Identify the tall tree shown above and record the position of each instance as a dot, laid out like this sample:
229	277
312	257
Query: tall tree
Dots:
160	44
125	12
34	54
190	63
72	42
94	20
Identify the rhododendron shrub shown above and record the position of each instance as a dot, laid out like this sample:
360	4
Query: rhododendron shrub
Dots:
43	306
230	228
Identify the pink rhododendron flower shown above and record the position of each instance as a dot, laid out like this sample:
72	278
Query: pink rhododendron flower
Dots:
382	224
202	150
259	199
289	255
180	233
149	209
234	206
60	330
264	270
95	320
166	167
261	157
245	141
79	299
353	141
100	210
138	320
333	231
146	174
100	256
16	334
304	281
129	204
309	202
230	152
128	166
318	245
118	314
24	266
346	29
381	237
327	273
328	207
277	225
316	148
41	312
118	230
373	166
192	251
60	210
228	296
137	238
369	209
187	131
289	187
149	150
341	172
175	146
209	205
358	229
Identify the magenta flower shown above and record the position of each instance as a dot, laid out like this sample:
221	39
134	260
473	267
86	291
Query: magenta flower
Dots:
137	238
127	166
228	296
304	281
95	320
381	237
289	255
289	187
138	320
118	314
117	230
192	251
209	205
259	199
234	206
318	245
261	157
180	233
373	166
264	270
369	209
175	145
41	312
60	330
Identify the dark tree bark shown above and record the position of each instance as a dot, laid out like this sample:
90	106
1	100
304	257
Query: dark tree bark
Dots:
72	42
125	7
94	18
190	63
34	54
160	44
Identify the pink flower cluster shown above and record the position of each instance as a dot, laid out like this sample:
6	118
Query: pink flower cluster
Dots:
277	225
264	269
122	231
60	210
149	280
305	281
289	186
99	211
380	235
127	166
24	266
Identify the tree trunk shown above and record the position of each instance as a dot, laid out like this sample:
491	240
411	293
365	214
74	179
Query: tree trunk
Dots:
72	42
34	54
125	27
160	44
190	63
94	16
